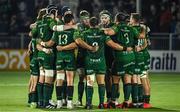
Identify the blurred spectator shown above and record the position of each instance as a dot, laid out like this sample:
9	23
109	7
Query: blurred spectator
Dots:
153	19
13	27
86	5
177	28
161	15
4	23
165	18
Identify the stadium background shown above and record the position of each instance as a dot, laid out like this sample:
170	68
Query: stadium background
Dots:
162	16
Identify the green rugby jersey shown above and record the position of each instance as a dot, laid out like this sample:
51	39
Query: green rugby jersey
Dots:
95	37
77	34
64	38
45	27
125	36
33	42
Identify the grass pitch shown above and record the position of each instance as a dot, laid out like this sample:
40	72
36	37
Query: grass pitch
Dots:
13	94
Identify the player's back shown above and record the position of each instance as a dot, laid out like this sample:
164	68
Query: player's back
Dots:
45	28
125	35
95	37
64	38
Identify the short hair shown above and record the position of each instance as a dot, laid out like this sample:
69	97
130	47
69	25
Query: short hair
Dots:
52	9
68	18
42	12
121	16
64	9
84	13
105	12
136	16
93	21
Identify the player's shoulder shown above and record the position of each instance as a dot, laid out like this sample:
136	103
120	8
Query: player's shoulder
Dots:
145	27
112	24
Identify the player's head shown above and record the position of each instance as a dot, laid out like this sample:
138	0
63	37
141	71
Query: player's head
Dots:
93	21
42	13
52	10
65	10
105	17
84	17
134	18
121	17
69	19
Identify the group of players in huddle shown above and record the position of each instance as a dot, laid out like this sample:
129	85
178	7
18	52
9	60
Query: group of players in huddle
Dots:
108	50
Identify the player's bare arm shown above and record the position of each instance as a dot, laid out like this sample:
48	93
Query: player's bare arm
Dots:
83	44
41	48
64	27
109	31
71	46
142	34
29	48
49	43
118	47
33	25
30	34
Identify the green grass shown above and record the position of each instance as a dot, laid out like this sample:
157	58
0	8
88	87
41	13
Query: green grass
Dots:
13	93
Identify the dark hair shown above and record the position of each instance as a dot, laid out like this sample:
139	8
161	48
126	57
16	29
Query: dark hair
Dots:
136	16
64	9
52	9
121	17
68	18
104	12
84	13
93	21
42	13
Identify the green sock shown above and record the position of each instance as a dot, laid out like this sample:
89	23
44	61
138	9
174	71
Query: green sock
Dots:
70	90
47	93
101	91
140	93
135	93
118	93
80	90
34	96
29	97
64	89
127	91
114	91
89	94
40	92
146	98
52	89
59	90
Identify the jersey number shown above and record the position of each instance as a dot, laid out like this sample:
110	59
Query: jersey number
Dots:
127	37
63	39
41	32
94	44
140	42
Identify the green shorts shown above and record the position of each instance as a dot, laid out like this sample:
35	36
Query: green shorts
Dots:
97	66
46	60
124	64
139	63
34	66
66	63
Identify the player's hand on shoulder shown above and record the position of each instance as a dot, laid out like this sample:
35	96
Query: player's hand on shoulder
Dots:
137	48
95	48
47	51
75	27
